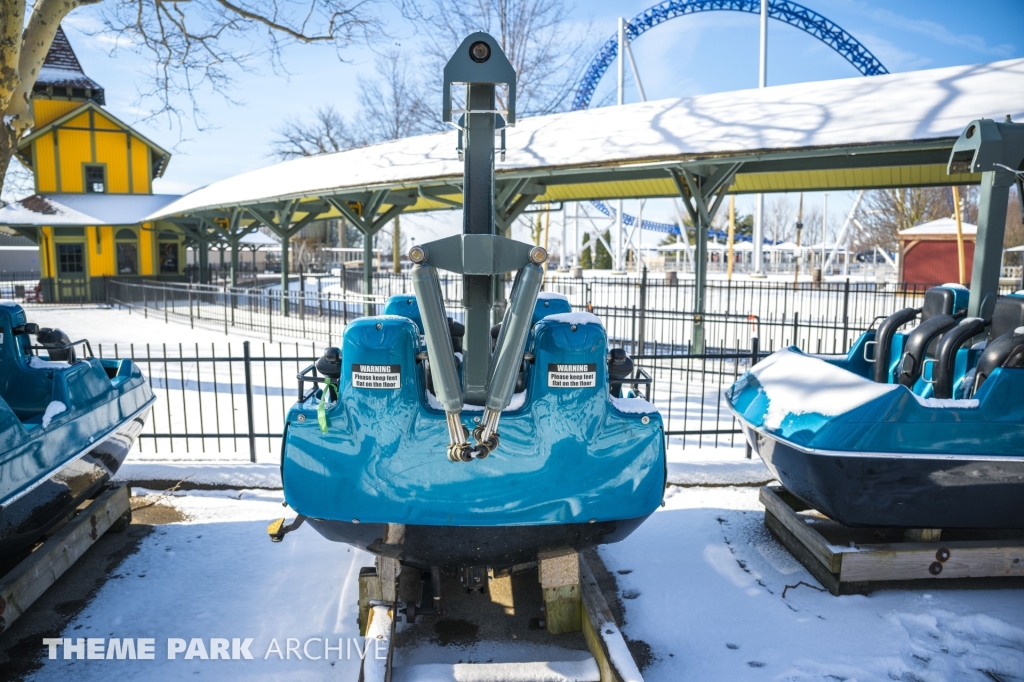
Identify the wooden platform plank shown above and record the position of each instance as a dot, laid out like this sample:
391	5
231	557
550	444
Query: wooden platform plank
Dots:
41	569
604	639
828	580
380	637
937	560
810	539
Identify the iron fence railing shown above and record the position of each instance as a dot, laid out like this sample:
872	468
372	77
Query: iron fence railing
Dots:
229	401
643	315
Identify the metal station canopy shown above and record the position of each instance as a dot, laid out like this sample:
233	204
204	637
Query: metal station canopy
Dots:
895	130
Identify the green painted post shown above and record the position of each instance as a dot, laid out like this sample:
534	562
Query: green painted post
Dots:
367	273
284	274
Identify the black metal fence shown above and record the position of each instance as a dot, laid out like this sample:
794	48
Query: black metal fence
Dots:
229	401
645	315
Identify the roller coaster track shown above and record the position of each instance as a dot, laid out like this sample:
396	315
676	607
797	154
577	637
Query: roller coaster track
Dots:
794	14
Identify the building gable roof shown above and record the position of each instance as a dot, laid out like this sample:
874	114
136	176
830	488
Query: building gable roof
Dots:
160	155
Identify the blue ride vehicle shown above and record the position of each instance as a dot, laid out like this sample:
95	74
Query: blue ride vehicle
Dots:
66	425
926	431
465	444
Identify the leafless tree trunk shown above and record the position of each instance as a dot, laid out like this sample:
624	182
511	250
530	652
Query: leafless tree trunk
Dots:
191	45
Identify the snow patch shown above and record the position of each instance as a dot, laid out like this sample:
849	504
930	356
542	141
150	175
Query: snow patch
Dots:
798	384
536	671
955	286
575	318
552	296
52	410
36	362
10	304
517	401
619	654
711	473
936	403
229	474
633	405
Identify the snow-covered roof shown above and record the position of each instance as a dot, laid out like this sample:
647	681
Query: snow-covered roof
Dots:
83	209
61	69
942	226
889	110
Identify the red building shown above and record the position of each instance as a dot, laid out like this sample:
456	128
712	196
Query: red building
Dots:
928	252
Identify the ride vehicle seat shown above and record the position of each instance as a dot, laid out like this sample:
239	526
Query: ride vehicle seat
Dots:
1005	347
940	312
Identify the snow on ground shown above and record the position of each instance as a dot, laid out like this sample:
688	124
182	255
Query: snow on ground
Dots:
702	582
101	324
219	576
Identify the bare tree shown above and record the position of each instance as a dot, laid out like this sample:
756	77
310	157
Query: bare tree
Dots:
192	46
780	217
536	36
328	131
391	106
888	211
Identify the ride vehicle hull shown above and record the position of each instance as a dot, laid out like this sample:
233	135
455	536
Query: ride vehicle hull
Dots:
867	454
575	467
65	429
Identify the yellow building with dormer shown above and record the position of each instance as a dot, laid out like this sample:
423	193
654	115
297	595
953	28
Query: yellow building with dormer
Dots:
93	178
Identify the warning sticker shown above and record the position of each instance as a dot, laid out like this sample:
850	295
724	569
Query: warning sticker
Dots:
571	376
383	377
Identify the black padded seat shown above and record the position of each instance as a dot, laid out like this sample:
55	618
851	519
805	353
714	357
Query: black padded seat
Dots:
883	341
938	301
945	357
1005	351
915	348
1005	346
1007	316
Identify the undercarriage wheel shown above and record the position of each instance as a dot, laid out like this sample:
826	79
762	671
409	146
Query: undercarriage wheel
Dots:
410	613
478	452
122	523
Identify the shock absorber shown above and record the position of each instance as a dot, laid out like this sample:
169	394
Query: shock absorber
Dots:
508	351
440	354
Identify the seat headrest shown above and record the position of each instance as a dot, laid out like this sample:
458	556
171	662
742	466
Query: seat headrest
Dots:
1007	316
14	311
948	299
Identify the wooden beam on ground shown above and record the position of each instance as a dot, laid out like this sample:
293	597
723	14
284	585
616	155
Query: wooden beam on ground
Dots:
604	638
380	637
33	576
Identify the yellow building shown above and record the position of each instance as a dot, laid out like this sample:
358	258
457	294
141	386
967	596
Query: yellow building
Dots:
93	189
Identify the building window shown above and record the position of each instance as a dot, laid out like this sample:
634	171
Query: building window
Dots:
127	247
70	258
95	179
167	252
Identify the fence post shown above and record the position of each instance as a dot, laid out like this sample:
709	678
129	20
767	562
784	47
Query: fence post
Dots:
270	314
248	401
755	351
796	325
846	309
191	320
225	309
641	331
145	307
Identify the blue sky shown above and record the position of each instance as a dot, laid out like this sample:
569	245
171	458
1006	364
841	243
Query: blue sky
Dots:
709	52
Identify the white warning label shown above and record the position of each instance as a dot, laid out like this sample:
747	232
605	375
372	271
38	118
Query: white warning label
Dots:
383	377
571	376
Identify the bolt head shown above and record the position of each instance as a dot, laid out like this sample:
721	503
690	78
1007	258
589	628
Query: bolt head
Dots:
538	255
417	254
302	417
645	419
